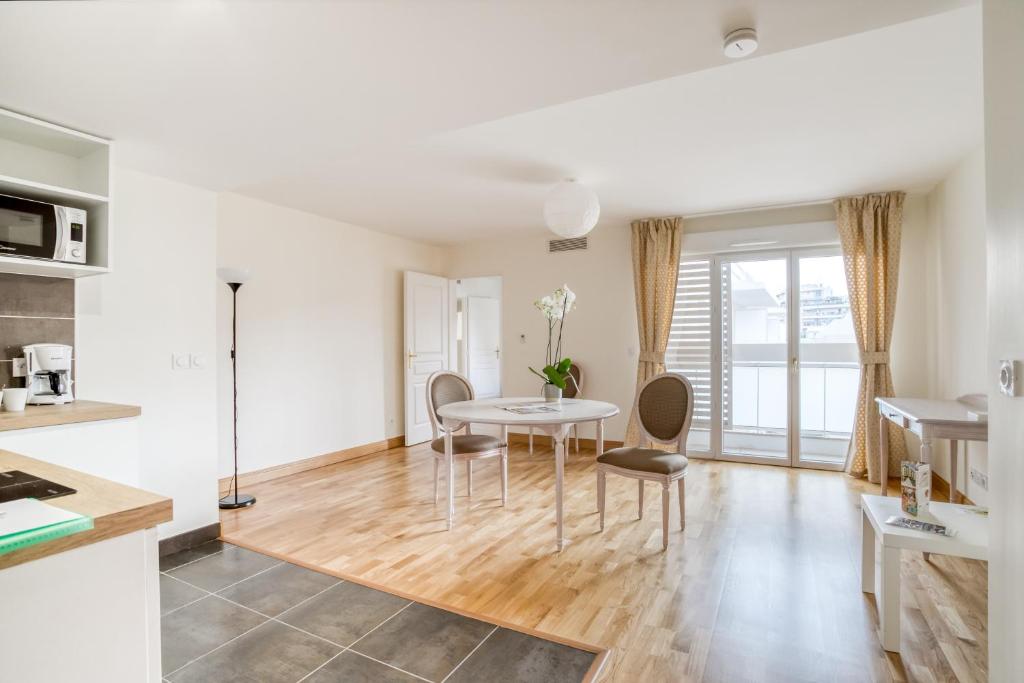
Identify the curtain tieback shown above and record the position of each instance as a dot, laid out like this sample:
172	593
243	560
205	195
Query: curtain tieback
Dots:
651	357
874	358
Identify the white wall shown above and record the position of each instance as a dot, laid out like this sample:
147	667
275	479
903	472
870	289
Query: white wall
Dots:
956	290
600	335
909	364
1003	22
320	332
158	300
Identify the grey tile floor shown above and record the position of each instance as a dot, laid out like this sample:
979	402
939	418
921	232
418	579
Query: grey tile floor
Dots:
230	614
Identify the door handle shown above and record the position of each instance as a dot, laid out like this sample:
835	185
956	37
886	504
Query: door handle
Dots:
497	353
411	356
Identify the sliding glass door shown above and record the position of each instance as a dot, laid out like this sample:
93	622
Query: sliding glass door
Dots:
828	360
767	341
755	420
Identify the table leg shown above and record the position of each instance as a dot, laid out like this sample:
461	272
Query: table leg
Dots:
449	467
504	465
867	555
889	600
953	452
883	450
558	433
600	437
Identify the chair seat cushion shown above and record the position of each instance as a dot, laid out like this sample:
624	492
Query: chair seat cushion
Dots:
644	460
468	443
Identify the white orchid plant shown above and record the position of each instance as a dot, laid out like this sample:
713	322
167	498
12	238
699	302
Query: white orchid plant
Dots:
555	307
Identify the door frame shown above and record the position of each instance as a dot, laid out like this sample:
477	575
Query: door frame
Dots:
792	256
453	305
467	339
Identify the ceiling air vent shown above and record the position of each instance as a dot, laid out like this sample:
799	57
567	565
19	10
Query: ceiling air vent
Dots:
570	244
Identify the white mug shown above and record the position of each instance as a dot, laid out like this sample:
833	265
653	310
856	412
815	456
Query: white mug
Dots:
14	399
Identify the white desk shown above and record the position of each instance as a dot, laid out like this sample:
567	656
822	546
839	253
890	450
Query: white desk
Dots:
492	411
971	541
930	419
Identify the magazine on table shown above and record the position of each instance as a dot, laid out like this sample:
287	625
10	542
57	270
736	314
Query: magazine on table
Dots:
918	525
533	408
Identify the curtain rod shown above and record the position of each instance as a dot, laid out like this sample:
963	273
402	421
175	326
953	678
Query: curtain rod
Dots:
766	207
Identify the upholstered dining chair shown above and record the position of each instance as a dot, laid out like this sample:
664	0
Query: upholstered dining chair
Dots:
664	408
573	389
444	387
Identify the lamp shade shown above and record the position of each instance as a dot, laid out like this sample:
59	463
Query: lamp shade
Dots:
234	275
571	209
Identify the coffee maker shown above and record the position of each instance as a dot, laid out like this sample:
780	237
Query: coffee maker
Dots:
48	374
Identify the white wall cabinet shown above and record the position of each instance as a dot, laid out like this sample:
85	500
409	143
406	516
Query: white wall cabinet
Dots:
47	162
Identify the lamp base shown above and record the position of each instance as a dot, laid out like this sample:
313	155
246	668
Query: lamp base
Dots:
237	500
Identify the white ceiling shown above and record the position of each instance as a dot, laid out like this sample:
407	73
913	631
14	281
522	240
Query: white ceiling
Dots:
450	120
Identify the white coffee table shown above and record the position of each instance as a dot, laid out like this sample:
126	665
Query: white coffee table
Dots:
971	541
492	411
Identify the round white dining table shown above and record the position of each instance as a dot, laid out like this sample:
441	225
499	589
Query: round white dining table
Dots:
495	411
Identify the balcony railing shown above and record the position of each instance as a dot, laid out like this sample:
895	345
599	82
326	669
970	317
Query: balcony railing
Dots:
756	391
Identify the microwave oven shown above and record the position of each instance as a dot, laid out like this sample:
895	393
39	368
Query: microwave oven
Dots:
34	229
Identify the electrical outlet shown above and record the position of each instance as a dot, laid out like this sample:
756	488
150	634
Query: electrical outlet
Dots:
197	361
180	361
979	478
20	369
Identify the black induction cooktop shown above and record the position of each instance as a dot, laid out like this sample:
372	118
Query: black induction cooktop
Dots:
15	484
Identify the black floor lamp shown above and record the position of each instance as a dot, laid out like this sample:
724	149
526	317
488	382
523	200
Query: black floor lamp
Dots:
235	278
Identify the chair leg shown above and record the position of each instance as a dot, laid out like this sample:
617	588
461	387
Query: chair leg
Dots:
531	440
503	464
640	495
469	478
664	516
682	503
435	480
600	496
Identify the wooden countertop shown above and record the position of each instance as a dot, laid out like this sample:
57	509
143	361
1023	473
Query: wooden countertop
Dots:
69	413
116	509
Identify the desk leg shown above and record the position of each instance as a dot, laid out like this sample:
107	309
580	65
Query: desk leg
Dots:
926	449
889	600
883	450
600	437
449	467
867	555
954	447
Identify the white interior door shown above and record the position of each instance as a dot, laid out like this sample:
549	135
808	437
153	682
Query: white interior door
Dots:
483	345
426	347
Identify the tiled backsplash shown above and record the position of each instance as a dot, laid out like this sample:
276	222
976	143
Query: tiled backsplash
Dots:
32	310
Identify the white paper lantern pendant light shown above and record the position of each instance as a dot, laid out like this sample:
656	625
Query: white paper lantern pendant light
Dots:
571	209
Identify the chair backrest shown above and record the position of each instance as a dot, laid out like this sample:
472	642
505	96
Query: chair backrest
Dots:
664	408
574	385
444	387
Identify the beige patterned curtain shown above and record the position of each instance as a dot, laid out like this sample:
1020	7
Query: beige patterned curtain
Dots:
869	229
656	245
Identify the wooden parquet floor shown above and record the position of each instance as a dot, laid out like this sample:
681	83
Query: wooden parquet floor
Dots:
763	585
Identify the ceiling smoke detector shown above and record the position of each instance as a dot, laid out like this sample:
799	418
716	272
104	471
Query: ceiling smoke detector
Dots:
740	43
